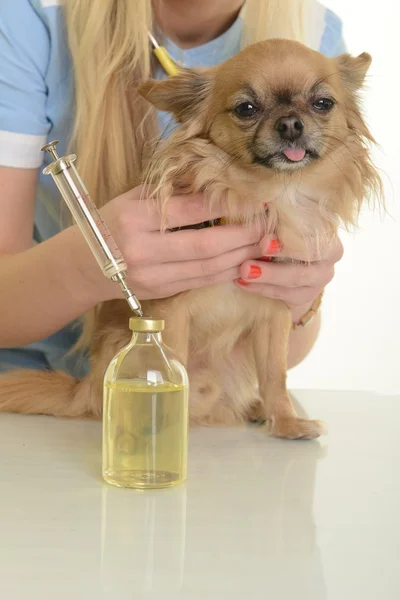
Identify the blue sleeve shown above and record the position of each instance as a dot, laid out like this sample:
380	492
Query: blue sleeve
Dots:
24	57
332	42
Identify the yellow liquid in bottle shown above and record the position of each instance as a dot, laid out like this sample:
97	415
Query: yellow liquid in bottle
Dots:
145	434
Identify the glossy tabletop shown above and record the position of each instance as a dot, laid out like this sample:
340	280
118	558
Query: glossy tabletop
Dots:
258	518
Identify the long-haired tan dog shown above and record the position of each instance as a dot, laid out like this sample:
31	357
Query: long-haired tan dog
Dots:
278	124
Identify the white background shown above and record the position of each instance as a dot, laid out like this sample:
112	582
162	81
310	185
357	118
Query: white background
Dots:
358	348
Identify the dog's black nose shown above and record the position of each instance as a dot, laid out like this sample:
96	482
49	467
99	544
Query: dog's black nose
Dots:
290	128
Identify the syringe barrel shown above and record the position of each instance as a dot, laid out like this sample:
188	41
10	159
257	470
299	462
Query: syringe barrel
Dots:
86	216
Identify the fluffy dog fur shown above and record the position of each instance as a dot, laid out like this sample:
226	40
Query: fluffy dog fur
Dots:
233	146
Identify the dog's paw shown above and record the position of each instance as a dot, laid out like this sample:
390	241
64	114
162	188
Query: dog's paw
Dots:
256	413
293	428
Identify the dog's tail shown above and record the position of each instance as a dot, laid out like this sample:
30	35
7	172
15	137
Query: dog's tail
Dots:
48	393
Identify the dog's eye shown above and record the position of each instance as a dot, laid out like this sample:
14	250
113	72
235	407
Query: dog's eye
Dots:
245	109
323	104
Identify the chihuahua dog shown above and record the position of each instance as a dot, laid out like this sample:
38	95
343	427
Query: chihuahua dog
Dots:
278	125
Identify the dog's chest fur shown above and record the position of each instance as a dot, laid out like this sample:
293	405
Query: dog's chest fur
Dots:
223	319
223	307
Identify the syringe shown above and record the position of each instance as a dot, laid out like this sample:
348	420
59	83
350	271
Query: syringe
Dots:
89	221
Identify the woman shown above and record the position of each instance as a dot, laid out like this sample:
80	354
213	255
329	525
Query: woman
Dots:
77	64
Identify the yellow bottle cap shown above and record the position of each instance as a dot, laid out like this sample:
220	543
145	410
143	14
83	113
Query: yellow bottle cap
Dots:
146	324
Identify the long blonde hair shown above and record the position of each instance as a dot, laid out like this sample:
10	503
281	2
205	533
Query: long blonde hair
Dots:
113	126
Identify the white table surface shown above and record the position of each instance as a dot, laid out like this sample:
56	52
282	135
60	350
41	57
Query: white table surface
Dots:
258	518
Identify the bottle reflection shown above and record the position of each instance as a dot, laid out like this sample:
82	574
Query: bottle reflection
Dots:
143	540
242	528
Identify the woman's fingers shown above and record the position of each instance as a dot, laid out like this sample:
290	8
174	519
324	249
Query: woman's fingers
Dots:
291	296
193	244
331	251
288	275
170	272
180	211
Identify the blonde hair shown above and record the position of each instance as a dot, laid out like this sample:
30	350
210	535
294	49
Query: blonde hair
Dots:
290	19
113	126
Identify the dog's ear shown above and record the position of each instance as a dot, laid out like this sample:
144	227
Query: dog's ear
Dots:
182	94
353	69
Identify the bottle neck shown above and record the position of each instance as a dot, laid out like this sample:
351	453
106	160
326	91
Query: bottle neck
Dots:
146	337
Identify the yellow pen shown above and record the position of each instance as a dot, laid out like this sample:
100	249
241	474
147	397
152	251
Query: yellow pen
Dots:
169	66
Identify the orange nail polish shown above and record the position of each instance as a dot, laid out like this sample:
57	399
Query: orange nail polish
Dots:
242	281
274	247
254	272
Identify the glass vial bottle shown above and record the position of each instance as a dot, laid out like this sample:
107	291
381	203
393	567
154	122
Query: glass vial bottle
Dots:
145	412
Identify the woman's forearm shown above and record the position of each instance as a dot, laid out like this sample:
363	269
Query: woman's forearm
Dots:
46	287
302	339
50	285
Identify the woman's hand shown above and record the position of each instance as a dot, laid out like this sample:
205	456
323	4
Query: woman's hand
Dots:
296	284
164	264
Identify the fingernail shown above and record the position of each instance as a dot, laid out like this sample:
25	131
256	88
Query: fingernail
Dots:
265	258
274	247
254	272
242	282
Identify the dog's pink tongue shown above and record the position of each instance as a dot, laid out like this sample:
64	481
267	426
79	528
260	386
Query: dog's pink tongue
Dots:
294	154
